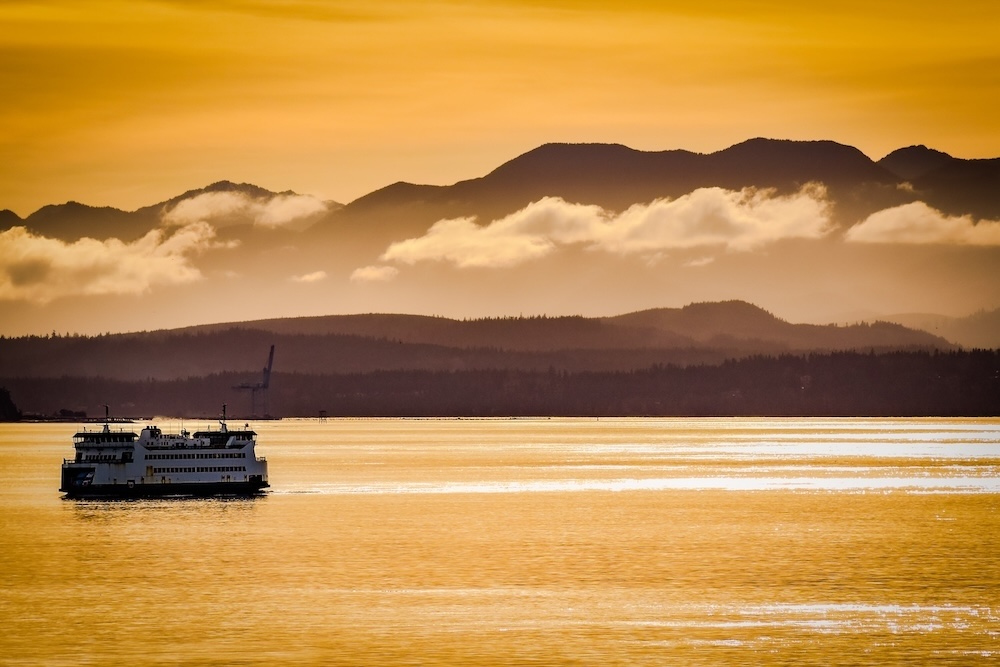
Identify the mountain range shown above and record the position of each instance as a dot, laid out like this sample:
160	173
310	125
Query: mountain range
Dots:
615	177
612	176
711	359
813	230
703	333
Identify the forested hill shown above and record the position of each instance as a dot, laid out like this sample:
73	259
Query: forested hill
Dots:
893	384
709	358
695	334
737	326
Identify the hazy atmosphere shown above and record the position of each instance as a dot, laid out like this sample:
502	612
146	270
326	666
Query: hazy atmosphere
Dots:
167	163
126	104
499	332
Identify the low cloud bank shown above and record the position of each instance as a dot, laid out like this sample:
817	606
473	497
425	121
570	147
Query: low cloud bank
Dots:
374	274
918	223
221	208
314	277
41	269
710	218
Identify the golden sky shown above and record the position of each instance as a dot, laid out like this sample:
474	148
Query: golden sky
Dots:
127	103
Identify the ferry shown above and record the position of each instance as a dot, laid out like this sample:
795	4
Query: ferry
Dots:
122	464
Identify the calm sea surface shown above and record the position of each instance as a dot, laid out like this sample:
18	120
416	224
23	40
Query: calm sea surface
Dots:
511	542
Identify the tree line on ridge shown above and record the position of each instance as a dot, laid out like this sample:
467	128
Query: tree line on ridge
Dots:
902	383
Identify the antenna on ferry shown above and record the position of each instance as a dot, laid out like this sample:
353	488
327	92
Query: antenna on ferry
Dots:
223	420
107	419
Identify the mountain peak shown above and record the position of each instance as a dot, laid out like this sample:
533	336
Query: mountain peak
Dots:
802	161
9	219
728	309
228	186
780	144
914	161
707	319
72	207
560	159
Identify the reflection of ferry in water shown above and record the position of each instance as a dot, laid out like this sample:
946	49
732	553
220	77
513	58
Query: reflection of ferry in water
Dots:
122	464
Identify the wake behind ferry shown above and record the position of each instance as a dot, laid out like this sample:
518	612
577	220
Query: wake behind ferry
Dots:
121	464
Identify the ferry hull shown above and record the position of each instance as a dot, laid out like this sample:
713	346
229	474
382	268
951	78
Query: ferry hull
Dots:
195	489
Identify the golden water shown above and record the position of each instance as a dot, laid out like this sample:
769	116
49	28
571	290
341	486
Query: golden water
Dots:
509	542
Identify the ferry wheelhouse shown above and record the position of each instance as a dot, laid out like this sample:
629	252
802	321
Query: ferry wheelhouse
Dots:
121	463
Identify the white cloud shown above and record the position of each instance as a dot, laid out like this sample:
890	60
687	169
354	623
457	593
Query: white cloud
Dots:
40	269
739	221
313	277
465	244
706	218
206	206
283	209
222	208
918	223
370	274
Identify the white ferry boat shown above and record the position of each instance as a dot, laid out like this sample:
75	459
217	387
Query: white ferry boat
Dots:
153	463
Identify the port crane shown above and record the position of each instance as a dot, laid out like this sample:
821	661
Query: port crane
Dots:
260	387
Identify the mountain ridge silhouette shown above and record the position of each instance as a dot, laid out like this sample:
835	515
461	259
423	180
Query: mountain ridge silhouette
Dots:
613	176
708	332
